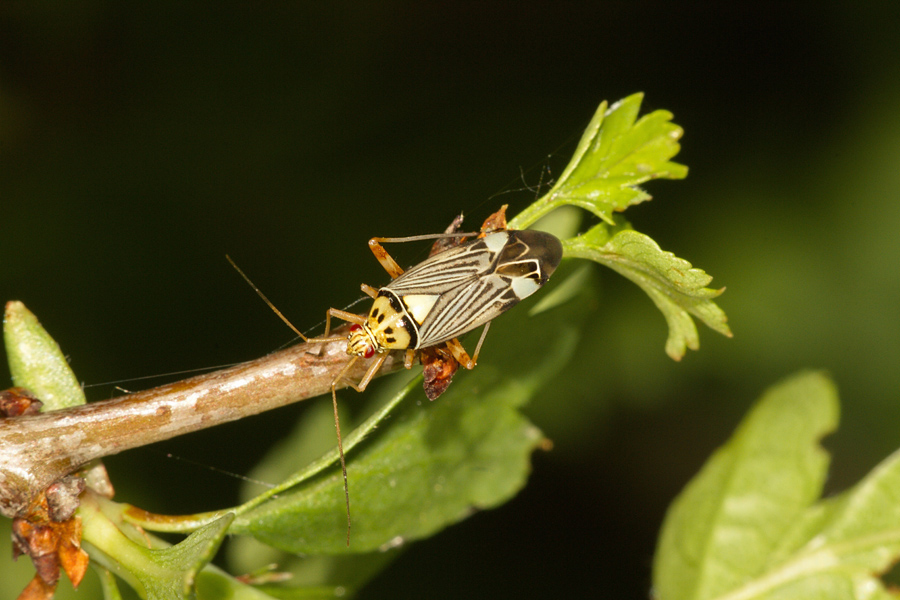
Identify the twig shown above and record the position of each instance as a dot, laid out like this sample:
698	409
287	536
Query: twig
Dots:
37	450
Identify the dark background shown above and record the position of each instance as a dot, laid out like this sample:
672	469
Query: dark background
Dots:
138	145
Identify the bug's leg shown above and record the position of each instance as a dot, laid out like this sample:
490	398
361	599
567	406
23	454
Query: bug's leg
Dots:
459	353
370	373
418	238
342	315
387	261
410	357
471	364
337	428
368	290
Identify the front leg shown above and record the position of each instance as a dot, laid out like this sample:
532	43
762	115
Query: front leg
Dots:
386	260
370	373
344	316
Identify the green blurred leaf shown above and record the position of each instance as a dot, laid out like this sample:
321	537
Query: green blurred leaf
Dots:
36	362
321	576
108	584
614	156
212	583
723	528
748	526
677	289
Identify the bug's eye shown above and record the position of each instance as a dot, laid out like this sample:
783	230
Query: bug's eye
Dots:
355	327
370	352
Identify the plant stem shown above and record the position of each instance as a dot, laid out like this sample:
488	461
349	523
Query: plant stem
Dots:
37	450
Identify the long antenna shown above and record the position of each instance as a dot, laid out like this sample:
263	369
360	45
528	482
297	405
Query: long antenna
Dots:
266	300
337	422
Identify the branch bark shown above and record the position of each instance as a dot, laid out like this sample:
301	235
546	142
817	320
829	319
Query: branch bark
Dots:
37	450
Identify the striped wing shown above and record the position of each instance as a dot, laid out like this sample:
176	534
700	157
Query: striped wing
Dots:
458	266
466	286
466	307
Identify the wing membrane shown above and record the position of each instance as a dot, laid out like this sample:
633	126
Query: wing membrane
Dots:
458	266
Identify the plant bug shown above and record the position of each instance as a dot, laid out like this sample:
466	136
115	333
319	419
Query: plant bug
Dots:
461	286
438	364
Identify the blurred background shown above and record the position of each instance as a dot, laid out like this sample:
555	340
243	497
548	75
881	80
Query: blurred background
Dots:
139	144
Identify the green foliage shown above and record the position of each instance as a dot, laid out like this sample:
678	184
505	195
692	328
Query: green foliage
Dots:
748	525
677	289
156	569
617	153
414	467
614	156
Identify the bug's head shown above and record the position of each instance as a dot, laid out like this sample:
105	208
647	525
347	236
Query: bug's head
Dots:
360	342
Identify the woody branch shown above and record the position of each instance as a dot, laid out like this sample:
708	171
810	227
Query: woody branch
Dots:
37	450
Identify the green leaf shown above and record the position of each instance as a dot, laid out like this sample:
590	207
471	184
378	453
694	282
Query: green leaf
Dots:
431	464
182	562
677	289
163	571
410	481
614	156
747	526
617	152
317	576
724	526
36	362
214	584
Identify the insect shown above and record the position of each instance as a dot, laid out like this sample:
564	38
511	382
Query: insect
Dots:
438	364
428	306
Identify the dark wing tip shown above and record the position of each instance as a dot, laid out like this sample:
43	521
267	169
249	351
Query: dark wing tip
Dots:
544	247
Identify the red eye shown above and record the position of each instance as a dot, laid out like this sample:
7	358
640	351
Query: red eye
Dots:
355	327
370	352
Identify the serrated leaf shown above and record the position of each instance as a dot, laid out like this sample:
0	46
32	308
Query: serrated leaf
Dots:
746	527
36	361
677	289
616	153
431	464
614	156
